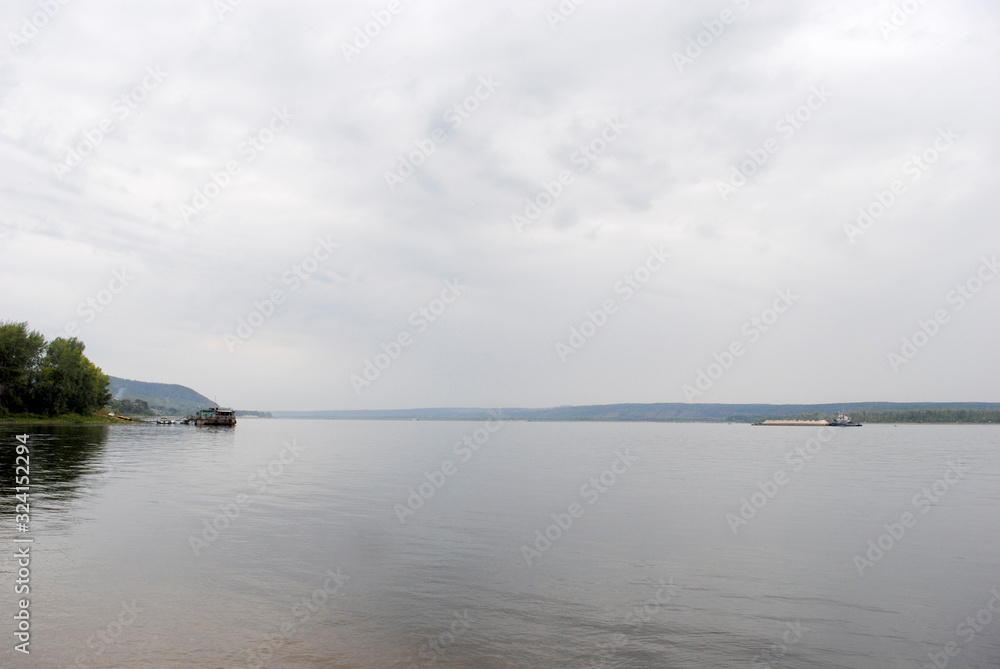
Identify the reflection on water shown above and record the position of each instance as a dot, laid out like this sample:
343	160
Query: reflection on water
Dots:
59	455
281	544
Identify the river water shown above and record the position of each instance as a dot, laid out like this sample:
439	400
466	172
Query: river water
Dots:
296	543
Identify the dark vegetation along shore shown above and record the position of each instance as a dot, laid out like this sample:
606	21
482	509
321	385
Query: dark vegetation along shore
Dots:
46	381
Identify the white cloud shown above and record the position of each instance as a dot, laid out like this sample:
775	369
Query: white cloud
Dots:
656	184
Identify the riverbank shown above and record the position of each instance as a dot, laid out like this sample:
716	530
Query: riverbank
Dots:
36	419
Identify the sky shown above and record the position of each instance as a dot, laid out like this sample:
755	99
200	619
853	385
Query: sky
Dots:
395	204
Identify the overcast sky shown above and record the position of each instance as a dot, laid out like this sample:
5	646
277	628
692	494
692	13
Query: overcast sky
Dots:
178	164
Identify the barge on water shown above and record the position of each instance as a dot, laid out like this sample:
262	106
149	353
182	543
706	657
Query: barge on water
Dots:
214	416
842	420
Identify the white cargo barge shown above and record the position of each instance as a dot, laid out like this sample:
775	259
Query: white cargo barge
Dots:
842	420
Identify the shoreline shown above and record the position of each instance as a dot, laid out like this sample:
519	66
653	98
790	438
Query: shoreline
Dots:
619	420
76	419
67	419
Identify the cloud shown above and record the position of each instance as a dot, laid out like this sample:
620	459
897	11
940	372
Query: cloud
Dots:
353	120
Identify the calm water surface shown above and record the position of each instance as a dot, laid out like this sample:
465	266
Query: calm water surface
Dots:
310	544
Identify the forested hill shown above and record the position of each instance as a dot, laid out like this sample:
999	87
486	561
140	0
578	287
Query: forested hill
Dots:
889	412
161	396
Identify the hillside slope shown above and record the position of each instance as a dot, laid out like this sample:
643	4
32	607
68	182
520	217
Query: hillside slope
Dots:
168	398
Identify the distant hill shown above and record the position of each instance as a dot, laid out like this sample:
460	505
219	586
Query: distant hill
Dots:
698	413
167	398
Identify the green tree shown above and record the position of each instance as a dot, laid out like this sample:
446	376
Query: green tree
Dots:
20	359
131	408
68	382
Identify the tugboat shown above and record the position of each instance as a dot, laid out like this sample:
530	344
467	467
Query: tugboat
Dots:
843	420
215	416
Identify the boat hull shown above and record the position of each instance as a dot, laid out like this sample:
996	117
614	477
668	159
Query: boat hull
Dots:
218	422
214	417
805	423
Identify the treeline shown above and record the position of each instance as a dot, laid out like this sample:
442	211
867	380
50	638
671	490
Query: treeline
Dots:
761	417
888	416
929	416
47	378
132	408
895	416
255	414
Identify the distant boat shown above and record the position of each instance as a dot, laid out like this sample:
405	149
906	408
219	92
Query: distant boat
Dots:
796	423
214	416
842	420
